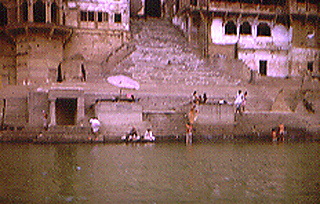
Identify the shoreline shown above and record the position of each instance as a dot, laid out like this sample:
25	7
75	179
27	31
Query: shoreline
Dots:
50	137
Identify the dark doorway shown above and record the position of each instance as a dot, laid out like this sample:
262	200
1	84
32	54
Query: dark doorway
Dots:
231	28
310	66
83	73
66	111
153	8
263	67
39	12
59	78
24	11
54	13
3	15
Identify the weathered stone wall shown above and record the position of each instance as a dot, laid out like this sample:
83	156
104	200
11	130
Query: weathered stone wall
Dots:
118	113
215	114
99	28
7	63
224	51
38	60
300	59
37	102
16	113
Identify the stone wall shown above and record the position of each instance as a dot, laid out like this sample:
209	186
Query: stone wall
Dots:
16	113
7	63
118	113
37	102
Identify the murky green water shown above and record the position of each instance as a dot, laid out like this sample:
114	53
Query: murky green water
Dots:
160	173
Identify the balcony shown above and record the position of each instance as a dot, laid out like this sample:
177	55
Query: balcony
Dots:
52	31
237	7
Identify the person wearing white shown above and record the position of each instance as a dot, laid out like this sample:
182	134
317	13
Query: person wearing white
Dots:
238	101
95	124
148	135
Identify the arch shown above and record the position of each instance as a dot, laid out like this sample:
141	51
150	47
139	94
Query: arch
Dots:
54	13
263	30
24	11
230	28
39	12
245	28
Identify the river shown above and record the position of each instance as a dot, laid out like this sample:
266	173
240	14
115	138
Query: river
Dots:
252	172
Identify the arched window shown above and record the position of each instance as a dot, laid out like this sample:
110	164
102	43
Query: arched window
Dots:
24	11
3	15
39	12
230	28
245	28
54	13
263	30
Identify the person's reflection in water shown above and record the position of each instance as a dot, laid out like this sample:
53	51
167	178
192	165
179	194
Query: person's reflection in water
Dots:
65	167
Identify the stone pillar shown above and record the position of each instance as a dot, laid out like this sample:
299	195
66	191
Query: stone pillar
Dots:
30	12
190	22
60	14
52	113
18	15
80	111
48	13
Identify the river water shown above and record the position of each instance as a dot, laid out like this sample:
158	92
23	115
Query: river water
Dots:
160	173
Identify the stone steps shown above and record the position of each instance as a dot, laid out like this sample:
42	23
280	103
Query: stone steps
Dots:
163	55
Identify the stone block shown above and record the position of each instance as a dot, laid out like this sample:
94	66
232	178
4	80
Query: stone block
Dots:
118	112
215	114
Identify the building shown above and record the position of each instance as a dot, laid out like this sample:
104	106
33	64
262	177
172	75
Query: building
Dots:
50	48
46	41
277	38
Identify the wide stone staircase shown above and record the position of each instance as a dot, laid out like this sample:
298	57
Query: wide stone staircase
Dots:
163	55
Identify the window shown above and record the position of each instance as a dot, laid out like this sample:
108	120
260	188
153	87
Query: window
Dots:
230	28
90	16
39	12
24	11
264	30
84	16
106	17
54	13
100	16
117	18
263	67
245	28
103	16
3	15
310	66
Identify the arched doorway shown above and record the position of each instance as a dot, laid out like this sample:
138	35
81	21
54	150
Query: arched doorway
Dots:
153	8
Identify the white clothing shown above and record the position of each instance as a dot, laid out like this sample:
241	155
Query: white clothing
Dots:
239	99
149	136
95	124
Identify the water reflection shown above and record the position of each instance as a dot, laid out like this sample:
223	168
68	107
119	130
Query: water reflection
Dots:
108	173
65	167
